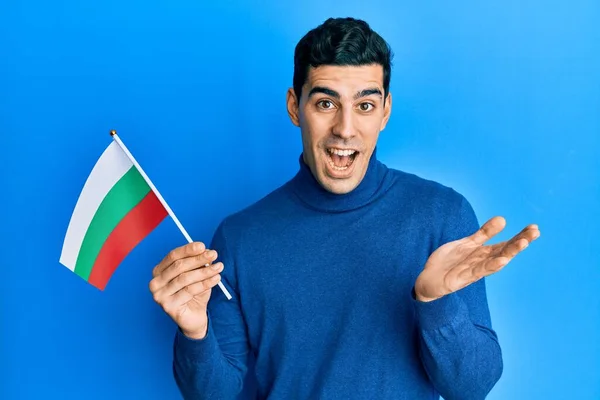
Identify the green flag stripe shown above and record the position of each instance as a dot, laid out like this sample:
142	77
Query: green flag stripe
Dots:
122	198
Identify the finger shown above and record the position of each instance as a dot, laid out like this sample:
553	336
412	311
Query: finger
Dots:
488	230
188	250
530	232
187	293
518	242
199	288
482	269
181	266
189	278
513	247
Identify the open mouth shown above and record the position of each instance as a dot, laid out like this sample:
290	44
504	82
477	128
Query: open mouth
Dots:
341	160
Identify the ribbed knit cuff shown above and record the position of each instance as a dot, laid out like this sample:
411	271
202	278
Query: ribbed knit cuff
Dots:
441	312
199	350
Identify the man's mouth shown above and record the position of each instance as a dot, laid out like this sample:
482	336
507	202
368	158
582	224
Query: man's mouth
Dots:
341	159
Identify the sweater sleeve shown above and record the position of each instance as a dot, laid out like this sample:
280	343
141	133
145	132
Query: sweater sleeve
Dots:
458	347
215	367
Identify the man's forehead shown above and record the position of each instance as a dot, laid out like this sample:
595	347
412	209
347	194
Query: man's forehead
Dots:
348	77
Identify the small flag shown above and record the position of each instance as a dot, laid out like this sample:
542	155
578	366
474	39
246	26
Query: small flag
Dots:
118	207
115	211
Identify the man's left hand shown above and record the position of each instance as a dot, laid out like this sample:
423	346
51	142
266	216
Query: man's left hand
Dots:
459	263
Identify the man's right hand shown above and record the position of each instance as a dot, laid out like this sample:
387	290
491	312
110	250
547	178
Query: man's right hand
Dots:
182	285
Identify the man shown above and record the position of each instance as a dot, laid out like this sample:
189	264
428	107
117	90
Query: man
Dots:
352	280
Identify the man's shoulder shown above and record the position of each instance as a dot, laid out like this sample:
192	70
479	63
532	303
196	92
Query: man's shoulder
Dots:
435	204
425	190
260	212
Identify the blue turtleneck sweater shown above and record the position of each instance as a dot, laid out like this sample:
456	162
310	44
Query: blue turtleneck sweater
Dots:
323	306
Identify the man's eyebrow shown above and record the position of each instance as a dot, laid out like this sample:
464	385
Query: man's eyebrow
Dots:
368	92
333	93
324	90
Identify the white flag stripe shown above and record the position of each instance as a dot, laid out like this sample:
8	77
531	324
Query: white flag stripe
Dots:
110	167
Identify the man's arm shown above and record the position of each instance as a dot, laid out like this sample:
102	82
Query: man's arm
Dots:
458	347
214	367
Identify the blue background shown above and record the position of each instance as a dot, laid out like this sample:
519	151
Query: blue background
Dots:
498	99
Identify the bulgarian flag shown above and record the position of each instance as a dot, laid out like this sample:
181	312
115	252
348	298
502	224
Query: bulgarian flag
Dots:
117	208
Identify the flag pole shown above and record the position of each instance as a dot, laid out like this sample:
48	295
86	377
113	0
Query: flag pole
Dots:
117	139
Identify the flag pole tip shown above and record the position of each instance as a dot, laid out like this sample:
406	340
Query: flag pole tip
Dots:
113	132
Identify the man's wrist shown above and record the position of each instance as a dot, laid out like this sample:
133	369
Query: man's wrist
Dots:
423	299
196	334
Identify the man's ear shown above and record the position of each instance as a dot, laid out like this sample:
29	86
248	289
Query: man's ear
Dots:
292	107
387	111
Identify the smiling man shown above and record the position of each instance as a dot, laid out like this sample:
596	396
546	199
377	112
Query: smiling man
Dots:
340	118
350	281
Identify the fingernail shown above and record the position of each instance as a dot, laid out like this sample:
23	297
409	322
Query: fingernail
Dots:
216	266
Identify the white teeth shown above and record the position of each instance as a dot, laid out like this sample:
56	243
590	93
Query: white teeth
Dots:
339	168
341	152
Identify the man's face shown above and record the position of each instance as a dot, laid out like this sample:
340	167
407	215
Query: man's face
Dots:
340	114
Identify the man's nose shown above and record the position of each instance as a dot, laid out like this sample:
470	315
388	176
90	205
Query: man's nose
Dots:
344	124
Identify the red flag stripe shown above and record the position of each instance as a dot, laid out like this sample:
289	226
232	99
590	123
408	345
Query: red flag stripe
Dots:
134	227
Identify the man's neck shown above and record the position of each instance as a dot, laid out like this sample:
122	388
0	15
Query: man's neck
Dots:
309	191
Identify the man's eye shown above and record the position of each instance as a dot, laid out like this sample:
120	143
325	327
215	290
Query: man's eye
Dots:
365	106
326	104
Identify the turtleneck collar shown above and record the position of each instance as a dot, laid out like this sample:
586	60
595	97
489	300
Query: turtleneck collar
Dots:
309	191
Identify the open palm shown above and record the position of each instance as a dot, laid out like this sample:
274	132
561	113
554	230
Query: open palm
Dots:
461	262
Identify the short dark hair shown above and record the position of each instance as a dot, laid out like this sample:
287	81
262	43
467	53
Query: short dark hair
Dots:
343	42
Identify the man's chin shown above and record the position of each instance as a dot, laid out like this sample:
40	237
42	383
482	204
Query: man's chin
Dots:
339	185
